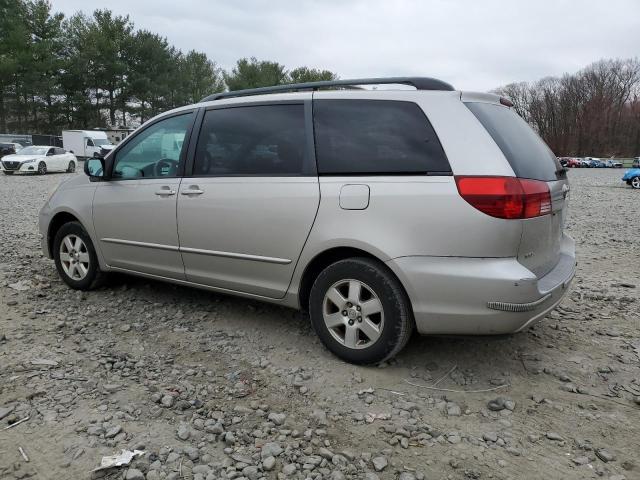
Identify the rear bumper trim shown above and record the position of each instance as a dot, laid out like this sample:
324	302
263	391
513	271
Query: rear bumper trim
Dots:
517	307
480	296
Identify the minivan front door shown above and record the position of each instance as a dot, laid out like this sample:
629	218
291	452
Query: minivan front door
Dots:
246	211
134	213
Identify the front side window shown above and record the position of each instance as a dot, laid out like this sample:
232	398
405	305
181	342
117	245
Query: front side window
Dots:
369	137
254	140
155	152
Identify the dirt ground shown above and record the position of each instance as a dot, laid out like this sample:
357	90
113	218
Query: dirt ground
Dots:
215	387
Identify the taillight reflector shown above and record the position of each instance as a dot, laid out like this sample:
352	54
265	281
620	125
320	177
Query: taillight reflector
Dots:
506	197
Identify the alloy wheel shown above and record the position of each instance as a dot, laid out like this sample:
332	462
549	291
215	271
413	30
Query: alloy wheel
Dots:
635	183
74	257
353	314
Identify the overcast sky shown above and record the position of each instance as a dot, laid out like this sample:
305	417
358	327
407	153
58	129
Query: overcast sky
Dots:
473	44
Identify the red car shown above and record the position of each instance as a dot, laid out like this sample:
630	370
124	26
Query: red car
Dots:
573	163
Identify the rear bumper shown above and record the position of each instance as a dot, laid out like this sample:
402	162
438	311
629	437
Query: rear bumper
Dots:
481	296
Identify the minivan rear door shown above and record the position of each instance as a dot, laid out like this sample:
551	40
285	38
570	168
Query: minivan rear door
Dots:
530	158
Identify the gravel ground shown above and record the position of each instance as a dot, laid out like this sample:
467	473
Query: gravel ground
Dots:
215	387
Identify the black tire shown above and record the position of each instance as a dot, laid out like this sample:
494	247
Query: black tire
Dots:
42	168
94	276
72	167
7	173
398	322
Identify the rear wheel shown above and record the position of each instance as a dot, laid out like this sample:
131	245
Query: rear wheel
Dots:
360	311
71	167
75	257
42	168
635	182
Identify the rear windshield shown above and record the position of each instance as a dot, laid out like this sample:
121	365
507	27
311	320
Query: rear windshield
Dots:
525	151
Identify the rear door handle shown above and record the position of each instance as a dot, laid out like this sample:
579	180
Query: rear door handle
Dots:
165	190
192	190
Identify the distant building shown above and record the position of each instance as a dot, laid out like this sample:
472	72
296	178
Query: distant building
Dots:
116	135
15	138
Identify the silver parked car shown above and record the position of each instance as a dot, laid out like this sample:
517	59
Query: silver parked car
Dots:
377	211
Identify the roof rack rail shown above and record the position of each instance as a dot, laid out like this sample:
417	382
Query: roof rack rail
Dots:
420	83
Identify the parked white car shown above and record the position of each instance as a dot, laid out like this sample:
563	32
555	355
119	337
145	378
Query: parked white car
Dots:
40	160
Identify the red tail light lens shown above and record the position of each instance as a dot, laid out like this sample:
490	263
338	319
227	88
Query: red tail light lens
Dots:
506	197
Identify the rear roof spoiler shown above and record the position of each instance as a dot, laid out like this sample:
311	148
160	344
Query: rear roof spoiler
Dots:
480	97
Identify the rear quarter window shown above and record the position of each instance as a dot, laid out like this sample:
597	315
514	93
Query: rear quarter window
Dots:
525	151
375	137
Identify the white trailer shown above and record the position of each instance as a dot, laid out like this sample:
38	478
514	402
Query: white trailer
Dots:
86	143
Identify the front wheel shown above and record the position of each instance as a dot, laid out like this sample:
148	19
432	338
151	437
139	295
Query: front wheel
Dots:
71	167
635	182
42	168
360	311
75	257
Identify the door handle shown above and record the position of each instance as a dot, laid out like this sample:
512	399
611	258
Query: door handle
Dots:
165	191
192	190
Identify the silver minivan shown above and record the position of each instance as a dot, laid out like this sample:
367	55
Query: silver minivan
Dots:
378	211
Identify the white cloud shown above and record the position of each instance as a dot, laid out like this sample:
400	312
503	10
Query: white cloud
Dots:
475	45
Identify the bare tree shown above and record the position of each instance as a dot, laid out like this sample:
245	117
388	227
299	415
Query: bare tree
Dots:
595	111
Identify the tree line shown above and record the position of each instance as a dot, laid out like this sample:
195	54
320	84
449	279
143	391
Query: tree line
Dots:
594	112
99	70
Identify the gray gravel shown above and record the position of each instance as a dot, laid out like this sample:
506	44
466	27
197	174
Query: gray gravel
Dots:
215	387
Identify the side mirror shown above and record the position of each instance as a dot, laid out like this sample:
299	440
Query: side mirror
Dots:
94	169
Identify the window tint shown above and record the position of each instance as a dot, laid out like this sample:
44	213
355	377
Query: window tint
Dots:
155	152
525	151
257	140
375	137
59	151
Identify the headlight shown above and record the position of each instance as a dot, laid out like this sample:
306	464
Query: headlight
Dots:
30	161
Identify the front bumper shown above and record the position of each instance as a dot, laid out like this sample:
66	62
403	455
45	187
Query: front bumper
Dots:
481	296
44	219
18	167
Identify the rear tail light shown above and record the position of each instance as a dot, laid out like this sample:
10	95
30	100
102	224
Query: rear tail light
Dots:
506	197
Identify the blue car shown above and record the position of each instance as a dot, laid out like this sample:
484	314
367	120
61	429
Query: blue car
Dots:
632	177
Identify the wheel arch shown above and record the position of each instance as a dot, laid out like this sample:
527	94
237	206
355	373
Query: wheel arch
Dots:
57	221
325	258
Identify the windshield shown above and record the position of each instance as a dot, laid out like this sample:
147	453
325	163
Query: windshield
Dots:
34	151
100	141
